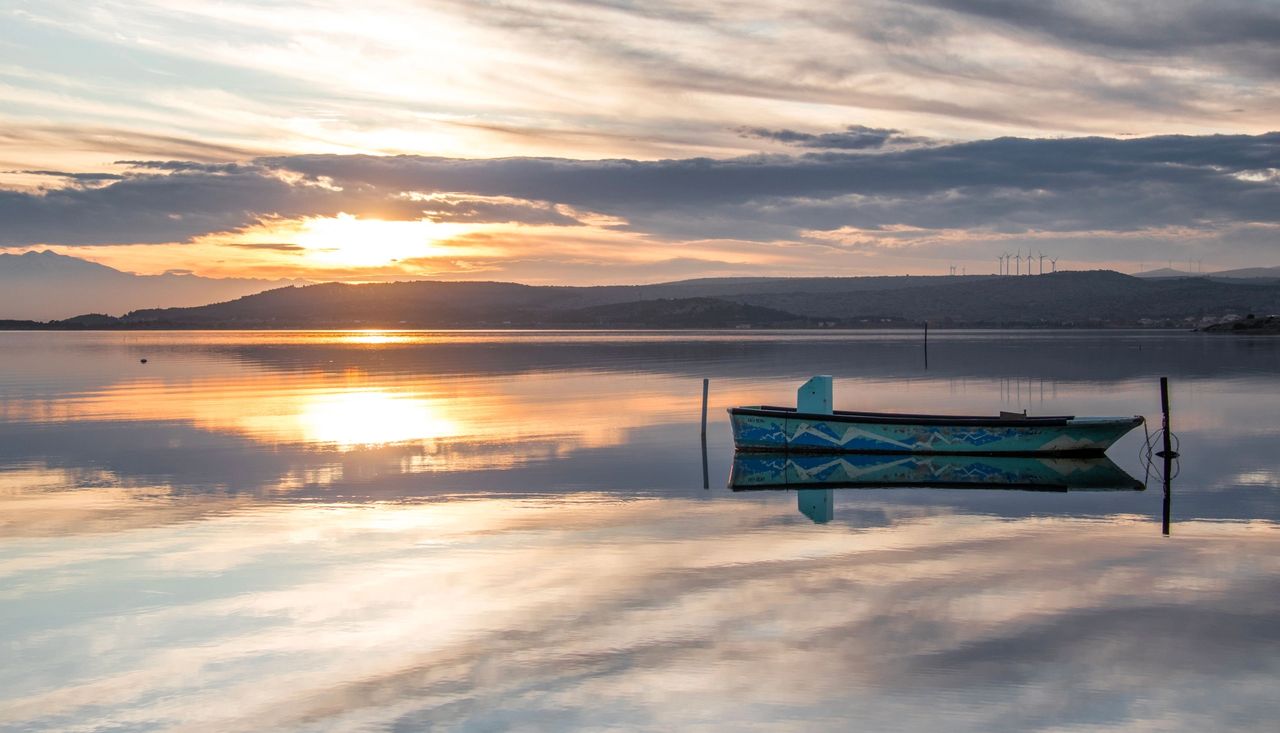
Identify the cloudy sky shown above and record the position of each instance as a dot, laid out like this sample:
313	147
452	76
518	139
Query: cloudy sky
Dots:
606	141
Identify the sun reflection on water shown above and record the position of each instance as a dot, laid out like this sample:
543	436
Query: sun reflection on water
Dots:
377	337
365	417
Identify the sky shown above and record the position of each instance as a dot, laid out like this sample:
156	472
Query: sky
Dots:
608	141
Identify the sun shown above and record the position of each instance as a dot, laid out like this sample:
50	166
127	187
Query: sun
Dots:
350	241
344	247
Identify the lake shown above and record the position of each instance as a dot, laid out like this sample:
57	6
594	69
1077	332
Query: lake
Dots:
491	531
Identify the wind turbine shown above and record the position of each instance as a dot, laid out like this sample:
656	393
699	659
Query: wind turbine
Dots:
1042	263
1054	262
1018	259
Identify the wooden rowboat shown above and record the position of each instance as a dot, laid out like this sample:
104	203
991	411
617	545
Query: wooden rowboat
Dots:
813	426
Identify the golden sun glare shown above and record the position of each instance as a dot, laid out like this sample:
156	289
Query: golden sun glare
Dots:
371	417
349	241
344	241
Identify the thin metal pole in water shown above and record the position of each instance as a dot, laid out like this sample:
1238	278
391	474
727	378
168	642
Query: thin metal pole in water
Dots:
706	477
1167	454
1168	495
926	344
706	383
1164	409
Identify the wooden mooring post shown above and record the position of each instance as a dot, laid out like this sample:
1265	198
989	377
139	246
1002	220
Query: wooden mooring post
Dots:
1168	499
1168	454
706	385
1164	411
926	344
706	476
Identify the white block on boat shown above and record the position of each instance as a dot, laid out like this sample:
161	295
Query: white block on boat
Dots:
815	396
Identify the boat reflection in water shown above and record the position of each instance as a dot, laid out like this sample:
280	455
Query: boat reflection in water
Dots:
814	475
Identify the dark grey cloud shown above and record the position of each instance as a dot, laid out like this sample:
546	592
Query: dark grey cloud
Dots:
185	165
1016	163
1004	185
78	177
853	137
1177	26
272	246
152	209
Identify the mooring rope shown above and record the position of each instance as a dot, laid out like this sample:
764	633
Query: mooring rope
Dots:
1154	463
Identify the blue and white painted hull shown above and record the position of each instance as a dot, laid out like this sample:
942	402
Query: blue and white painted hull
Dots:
787	430
955	471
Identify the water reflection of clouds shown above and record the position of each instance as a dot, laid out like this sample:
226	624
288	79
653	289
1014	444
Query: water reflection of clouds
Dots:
265	432
54	502
349	408
660	614
1262	477
269	414
267	531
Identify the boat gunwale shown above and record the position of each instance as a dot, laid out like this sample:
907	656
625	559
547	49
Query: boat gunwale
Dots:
819	449
890	418
955	485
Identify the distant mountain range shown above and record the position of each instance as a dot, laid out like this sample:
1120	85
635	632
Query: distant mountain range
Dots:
1245	273
46	285
1064	299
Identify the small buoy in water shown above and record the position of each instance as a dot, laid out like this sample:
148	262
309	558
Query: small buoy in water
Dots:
144	361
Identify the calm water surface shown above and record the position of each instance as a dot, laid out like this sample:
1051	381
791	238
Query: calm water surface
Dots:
509	531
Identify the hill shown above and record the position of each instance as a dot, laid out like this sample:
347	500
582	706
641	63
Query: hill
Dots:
1098	298
1063	299
28	279
1250	325
1251	273
1163	272
686	312
1245	273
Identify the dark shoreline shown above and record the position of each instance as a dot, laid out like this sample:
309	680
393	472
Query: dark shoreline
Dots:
1248	326
8	328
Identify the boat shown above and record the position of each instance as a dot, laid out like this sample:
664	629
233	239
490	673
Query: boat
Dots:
756	471
815	477
813	426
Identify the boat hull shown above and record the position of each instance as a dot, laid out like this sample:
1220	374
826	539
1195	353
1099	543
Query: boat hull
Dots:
877	470
767	429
